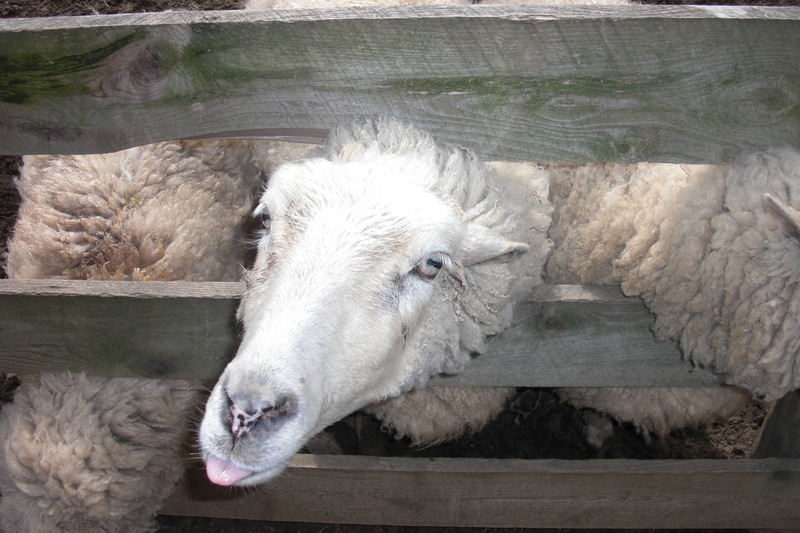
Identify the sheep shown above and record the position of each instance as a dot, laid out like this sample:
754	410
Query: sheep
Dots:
712	251
420	414
431	415
84	453
137	214
398	405
434	414
103	229
425	248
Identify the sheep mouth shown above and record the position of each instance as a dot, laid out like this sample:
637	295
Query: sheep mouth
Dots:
225	473
250	442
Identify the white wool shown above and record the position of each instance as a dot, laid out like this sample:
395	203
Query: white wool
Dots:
714	263
659	410
87	453
514	203
143	213
435	414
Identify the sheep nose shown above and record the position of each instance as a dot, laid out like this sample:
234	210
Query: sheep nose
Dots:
249	412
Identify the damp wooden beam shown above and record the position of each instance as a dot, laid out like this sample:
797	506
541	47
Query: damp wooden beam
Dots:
611	493
567	336
534	83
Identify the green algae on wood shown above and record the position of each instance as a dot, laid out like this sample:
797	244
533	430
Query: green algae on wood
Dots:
30	76
625	84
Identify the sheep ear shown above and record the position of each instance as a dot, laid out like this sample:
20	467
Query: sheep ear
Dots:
483	244
787	217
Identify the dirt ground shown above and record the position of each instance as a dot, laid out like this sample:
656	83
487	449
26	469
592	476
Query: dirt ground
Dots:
535	424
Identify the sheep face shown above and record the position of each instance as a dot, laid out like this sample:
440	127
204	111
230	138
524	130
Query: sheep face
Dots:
351	260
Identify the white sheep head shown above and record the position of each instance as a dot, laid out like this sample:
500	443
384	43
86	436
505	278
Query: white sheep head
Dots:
360	291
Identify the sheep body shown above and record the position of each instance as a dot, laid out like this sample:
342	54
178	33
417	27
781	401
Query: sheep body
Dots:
87	453
142	213
714	260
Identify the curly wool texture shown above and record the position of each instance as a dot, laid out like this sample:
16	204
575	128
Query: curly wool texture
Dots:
511	200
659	410
436	414
707	256
152	212
97	454
85	454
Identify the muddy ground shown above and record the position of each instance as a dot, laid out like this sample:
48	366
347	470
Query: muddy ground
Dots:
535	424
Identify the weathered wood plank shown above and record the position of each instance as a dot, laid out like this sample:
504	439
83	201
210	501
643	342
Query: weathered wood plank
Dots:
513	493
580	344
235	289
567	336
625	83
126	289
167	336
780	432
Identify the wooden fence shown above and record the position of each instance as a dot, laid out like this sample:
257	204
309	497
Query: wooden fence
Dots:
571	84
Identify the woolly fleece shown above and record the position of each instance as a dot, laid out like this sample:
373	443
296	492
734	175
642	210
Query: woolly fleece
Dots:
82	454
708	256
152	212
86	453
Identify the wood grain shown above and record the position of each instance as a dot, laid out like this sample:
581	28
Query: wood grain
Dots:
780	431
512	493
566	336
118	336
625	83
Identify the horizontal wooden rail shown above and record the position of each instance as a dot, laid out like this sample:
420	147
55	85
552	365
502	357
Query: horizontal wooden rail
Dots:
624	83
741	494
565	336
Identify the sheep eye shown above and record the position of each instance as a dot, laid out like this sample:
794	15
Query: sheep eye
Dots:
266	220
429	267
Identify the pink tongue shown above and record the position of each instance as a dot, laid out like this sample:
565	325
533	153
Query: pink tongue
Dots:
223	472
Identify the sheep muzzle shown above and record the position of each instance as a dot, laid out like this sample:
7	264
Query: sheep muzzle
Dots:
248	413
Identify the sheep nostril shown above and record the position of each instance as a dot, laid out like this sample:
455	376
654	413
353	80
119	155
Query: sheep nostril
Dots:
247	413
